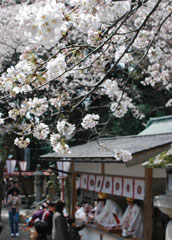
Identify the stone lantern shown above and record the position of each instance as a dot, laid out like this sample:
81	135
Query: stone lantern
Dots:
164	202
39	177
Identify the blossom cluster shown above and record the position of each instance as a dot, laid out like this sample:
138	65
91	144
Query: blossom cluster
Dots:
90	121
122	155
21	142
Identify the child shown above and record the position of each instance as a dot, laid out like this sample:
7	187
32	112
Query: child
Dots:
74	230
39	231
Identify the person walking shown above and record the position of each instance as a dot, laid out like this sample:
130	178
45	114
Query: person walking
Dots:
60	227
14	204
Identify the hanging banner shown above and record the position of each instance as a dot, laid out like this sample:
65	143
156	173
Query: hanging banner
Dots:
139	189
120	186
98	185
63	166
83	181
23	165
128	190
107	185
117	186
11	164
91	182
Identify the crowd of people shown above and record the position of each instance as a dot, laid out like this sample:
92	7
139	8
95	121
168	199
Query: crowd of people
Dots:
50	223
106	212
46	223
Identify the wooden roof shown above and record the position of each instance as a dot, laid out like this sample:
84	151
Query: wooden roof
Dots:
141	148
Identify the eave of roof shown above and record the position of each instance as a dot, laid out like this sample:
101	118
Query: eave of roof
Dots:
141	148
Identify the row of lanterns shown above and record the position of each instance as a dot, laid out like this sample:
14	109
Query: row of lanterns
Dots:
11	164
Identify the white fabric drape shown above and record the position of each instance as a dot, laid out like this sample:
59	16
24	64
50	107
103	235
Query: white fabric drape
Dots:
91	182
63	166
117	186
107	185
128	187
83	181
139	189
98	185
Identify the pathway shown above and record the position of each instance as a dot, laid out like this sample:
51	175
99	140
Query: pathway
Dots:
5	234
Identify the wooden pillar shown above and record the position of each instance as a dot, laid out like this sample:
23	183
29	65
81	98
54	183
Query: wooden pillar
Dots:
102	168
73	192
148	208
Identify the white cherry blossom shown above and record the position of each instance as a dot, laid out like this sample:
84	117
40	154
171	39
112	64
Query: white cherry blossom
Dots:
21	142
41	131
122	155
90	121
65	129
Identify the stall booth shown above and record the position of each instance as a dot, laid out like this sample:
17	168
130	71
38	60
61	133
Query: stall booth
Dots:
98	171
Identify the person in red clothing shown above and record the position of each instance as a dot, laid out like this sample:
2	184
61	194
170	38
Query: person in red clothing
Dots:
37	215
47	217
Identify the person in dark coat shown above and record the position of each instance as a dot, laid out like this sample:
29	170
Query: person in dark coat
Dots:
60	227
48	218
39	231
74	230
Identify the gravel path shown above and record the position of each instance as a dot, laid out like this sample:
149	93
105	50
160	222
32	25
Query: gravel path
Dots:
5	234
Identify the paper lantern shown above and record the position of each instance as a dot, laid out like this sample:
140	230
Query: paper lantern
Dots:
11	164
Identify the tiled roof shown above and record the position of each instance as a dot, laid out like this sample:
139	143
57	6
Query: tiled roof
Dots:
92	150
158	125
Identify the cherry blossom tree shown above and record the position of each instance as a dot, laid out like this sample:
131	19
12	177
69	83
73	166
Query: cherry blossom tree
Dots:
12	42
74	51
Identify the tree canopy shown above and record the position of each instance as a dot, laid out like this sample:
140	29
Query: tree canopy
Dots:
80	65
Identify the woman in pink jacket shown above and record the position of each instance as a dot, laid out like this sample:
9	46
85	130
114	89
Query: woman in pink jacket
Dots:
14	204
